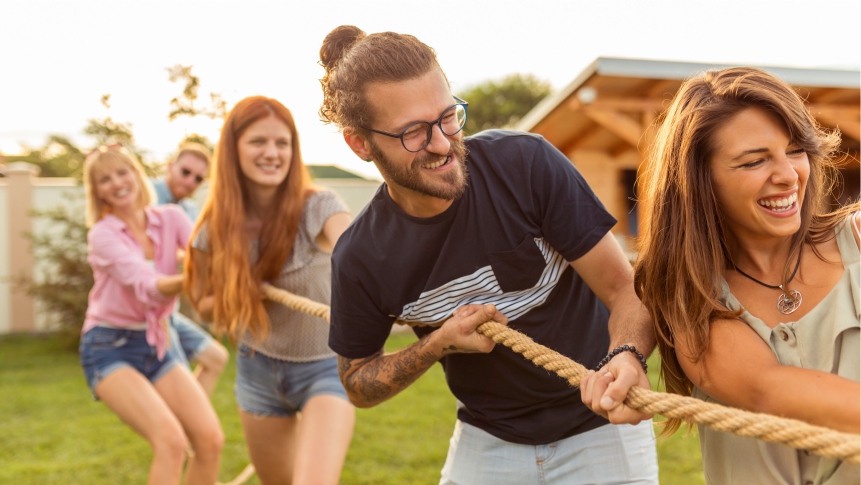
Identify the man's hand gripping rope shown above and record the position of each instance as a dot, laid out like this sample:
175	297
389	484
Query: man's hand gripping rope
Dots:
815	439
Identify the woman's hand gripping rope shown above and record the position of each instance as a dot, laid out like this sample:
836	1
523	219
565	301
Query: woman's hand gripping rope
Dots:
815	439
604	391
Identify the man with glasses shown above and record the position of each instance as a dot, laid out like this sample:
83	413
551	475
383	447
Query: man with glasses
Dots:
496	226
183	176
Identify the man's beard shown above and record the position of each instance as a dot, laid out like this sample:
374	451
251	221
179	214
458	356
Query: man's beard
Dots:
450	185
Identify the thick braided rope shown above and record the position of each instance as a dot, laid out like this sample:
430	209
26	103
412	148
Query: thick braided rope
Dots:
797	434
296	302
243	476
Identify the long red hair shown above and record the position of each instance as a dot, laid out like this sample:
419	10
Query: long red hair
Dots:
232	279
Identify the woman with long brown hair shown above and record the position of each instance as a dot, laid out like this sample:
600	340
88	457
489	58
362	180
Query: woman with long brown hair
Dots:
131	361
753	286
262	223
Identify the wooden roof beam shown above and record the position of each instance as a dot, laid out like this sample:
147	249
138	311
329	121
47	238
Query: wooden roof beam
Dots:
843	116
830	95
665	88
850	128
583	138
618	149
620	103
831	111
620	125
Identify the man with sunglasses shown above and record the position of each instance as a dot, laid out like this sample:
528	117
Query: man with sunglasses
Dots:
183	176
496	226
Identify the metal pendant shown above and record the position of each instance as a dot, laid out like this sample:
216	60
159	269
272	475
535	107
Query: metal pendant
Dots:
787	304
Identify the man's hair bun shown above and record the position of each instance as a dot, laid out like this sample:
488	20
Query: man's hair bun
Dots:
337	43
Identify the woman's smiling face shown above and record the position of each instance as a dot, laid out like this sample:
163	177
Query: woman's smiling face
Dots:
265	152
116	184
759	175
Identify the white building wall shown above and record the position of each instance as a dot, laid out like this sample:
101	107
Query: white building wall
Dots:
5	284
49	193
356	193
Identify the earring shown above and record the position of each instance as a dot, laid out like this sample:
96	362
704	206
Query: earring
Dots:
368	160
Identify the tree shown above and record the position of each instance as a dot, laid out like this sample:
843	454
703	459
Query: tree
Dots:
67	276
184	104
200	139
106	131
502	103
62	251
59	157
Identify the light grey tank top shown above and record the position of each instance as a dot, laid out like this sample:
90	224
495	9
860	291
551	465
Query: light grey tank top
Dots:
293	335
825	339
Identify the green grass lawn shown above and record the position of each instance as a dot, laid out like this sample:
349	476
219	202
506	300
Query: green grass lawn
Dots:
54	433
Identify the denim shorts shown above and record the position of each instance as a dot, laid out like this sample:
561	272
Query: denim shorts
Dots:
104	350
192	338
609	454
273	387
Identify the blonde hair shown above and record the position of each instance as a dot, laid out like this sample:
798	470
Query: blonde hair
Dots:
196	149
103	155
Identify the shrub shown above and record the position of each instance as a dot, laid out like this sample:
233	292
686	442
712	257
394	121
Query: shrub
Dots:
64	277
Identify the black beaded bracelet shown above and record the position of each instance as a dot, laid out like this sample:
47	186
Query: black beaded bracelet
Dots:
619	350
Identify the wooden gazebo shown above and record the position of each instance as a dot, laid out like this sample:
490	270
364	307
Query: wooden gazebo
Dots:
604	119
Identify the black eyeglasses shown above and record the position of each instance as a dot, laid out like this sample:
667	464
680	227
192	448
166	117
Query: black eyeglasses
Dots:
417	136
186	172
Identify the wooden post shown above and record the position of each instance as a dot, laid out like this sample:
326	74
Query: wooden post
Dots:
20	189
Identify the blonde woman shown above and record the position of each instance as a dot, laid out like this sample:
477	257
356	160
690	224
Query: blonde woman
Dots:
126	351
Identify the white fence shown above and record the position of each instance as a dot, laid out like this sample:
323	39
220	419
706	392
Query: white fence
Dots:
22	192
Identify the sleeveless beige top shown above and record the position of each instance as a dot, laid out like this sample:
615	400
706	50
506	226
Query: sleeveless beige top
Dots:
826	339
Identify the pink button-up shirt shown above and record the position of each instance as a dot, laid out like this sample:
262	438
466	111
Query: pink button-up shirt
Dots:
125	291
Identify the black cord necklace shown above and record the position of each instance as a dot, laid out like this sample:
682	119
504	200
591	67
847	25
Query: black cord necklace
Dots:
788	302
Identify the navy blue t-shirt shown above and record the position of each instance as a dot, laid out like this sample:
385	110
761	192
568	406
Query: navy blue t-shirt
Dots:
526	213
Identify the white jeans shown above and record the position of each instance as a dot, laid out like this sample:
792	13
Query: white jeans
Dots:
610	454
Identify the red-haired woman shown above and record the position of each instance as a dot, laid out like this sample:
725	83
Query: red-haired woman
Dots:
752	284
126	352
264	223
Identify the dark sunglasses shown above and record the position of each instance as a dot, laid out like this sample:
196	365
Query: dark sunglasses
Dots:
186	172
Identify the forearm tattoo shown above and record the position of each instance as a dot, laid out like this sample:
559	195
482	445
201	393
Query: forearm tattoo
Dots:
379	377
